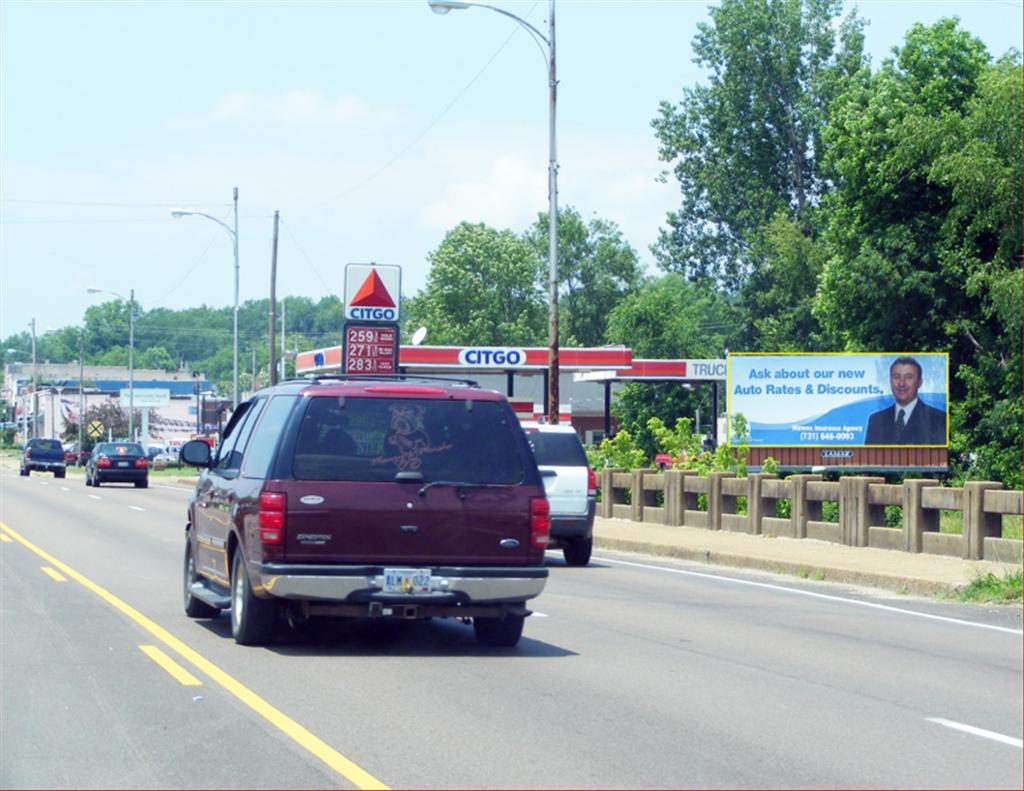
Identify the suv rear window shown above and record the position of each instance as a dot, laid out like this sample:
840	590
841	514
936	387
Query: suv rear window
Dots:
46	444
119	449
374	439
557	450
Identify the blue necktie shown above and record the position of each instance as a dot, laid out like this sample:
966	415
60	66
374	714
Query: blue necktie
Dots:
901	424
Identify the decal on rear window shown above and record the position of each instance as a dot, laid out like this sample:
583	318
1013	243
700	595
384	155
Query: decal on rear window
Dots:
408	437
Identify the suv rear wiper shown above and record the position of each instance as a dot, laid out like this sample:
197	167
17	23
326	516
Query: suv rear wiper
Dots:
466	485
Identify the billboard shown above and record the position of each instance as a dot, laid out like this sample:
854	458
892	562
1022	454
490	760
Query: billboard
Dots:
855	399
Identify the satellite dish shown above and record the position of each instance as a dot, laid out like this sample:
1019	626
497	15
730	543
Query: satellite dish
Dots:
418	336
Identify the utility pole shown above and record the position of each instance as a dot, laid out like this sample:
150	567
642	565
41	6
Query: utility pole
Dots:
81	388
272	365
283	377
35	380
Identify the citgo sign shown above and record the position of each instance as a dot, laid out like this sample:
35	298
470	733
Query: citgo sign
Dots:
493	357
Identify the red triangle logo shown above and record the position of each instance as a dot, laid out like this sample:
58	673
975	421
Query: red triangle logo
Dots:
372	294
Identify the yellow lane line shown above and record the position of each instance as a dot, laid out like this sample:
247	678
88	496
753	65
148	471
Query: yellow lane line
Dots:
172	667
5	538
52	574
313	744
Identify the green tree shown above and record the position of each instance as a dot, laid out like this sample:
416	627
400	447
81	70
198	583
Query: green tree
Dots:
747	145
924	228
596	269
481	290
669	318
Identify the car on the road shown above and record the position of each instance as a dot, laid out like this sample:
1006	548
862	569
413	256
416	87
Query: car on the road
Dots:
43	455
401	497
117	462
571	488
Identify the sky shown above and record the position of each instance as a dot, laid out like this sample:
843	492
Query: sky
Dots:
373	127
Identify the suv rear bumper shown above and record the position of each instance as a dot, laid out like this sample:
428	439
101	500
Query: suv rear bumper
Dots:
43	466
565	526
357	584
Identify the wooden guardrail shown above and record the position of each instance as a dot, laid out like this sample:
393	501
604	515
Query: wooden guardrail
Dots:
861	500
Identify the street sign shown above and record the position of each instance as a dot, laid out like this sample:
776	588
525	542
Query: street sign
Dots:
373	292
94	429
370	349
147	397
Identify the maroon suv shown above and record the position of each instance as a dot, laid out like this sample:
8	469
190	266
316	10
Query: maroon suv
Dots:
402	498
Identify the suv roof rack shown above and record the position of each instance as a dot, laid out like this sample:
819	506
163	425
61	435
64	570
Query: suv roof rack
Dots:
323	378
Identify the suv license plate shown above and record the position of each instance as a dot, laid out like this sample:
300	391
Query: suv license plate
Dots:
407	580
122	464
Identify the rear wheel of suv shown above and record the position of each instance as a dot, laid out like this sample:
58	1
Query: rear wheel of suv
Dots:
252	619
194	608
499	632
24	471
142	484
577	552
59	474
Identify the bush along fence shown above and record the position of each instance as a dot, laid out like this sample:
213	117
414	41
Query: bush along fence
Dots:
715	502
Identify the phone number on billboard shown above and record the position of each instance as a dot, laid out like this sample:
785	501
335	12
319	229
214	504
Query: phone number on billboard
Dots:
826	435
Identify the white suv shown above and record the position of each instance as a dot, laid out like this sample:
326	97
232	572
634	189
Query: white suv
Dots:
570	486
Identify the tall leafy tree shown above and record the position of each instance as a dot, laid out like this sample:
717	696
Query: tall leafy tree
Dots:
924	230
747	144
481	289
596	269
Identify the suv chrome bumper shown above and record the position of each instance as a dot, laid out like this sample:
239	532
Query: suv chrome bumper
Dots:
470	585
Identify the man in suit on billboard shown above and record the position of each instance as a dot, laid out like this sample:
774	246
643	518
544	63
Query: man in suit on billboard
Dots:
909	421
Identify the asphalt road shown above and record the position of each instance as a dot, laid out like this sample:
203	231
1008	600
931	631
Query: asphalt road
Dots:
634	673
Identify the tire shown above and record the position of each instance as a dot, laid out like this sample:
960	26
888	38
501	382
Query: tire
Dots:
577	552
194	608
24	471
252	619
60	473
142	484
499	632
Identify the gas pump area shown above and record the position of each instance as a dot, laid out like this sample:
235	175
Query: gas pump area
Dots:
590	376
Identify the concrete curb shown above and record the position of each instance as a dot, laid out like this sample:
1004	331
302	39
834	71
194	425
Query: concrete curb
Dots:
814	573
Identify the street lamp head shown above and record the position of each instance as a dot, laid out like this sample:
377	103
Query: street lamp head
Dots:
444	6
179	213
92	290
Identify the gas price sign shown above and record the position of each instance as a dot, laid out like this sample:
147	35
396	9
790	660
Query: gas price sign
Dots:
370	349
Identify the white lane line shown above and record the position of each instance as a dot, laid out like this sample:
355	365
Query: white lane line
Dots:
812	594
959	726
65	488
43	483
95	497
136	508
540	615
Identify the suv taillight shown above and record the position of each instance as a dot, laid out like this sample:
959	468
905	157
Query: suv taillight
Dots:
540	521
102	461
272	507
141	463
591	483
28	453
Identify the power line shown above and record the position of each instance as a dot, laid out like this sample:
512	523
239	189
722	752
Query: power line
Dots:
437	118
309	261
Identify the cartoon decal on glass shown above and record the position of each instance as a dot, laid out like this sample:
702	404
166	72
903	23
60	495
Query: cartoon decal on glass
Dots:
409	438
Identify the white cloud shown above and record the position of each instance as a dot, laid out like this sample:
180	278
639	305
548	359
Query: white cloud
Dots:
297	108
506	196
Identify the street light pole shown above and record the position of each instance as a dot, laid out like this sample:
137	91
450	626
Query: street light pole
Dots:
233	233
443	7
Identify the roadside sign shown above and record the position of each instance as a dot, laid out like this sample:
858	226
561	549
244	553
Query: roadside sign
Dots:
373	293
370	349
147	397
94	429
